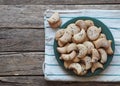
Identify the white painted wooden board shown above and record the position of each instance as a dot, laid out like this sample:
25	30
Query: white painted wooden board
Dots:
53	70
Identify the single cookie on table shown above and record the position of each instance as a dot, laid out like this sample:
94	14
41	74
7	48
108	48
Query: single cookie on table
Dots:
89	46
54	21
81	24
93	33
73	28
82	51
79	37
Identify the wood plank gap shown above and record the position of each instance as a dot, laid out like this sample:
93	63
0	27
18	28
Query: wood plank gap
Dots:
89	4
20	75
22	51
10	27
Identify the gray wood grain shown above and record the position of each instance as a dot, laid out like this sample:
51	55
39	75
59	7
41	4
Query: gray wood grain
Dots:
47	2
22	39
39	81
21	63
31	16
21	30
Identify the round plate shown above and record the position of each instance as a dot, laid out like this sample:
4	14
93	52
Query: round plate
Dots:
105	30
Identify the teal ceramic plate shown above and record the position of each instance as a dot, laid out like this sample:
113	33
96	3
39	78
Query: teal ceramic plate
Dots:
105	30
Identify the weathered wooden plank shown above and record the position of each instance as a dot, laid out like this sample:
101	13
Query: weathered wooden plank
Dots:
21	63
32	15
30	63
39	81
22	39
47	2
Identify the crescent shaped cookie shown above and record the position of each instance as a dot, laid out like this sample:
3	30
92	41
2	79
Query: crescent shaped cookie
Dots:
79	37
81	24
93	32
82	50
89	46
73	28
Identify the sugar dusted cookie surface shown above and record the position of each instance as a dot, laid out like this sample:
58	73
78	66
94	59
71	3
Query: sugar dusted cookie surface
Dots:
54	21
101	42
89	45
82	50
81	24
67	36
93	32
79	37
59	33
89	23
73	28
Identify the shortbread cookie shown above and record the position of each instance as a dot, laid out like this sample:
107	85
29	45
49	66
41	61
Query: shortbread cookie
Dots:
89	23
66	36
68	57
102	35
84	71
89	46
56	25
95	55
79	37
76	67
71	47
76	59
95	66
81	24
59	33
67	64
82	50
101	42
60	44
55	21
109	49
87	61
103	55
93	32
73	28
63	50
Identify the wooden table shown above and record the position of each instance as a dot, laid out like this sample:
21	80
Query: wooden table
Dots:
22	40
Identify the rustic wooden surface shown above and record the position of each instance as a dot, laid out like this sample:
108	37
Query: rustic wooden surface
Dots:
31	16
15	39
64	2
22	42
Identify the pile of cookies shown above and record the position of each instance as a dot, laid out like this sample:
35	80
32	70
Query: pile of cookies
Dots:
83	46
